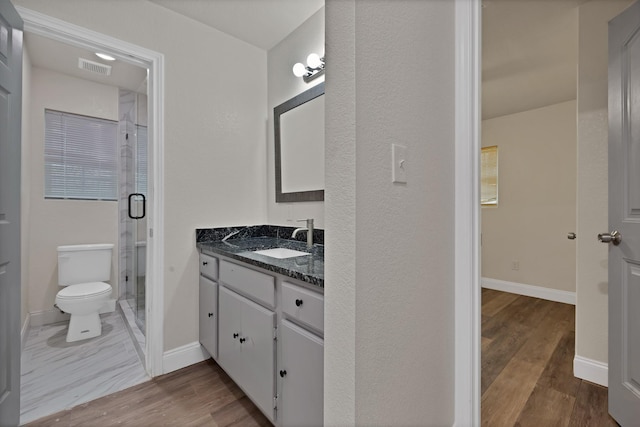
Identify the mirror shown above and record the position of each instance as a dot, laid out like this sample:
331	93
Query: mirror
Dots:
299	147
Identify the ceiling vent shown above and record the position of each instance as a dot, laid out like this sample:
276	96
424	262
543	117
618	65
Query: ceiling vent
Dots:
94	67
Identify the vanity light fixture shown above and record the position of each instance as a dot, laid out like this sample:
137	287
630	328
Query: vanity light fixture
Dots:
105	56
313	69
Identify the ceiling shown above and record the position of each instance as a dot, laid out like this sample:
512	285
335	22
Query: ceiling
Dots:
529	54
262	23
63	58
529	47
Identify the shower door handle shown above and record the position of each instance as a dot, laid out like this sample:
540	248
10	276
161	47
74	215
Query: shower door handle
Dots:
144	205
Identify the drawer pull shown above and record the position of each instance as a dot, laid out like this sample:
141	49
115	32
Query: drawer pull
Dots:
205	262
242	340
210	314
283	373
298	302
235	336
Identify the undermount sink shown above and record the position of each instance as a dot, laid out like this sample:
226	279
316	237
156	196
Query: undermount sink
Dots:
281	253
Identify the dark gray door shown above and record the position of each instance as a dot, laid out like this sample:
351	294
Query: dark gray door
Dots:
623	235
10	126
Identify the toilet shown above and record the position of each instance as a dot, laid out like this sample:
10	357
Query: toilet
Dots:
82	271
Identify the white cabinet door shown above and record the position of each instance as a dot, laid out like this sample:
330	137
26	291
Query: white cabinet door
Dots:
229	326
258	354
301	377
209	316
246	347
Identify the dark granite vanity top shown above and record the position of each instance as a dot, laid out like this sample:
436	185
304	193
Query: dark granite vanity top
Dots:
240	246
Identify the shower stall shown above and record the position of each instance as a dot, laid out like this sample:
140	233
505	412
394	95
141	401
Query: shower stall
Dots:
132	138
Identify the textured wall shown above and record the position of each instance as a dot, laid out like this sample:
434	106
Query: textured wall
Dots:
389	280
537	198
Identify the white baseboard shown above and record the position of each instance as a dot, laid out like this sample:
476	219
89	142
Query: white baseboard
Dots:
183	356
591	370
25	330
47	317
530	290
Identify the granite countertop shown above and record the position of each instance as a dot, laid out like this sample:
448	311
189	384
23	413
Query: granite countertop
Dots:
307	268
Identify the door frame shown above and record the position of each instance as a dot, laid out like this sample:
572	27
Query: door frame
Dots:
467	212
56	29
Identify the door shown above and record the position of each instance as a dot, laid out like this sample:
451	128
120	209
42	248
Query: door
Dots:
10	128
301	377
209	316
624	216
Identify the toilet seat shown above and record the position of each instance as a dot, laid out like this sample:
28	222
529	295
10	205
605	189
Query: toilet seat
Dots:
84	290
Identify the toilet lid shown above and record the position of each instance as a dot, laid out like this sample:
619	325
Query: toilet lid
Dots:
83	290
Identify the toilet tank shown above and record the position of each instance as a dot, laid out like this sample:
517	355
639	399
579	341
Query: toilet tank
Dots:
84	263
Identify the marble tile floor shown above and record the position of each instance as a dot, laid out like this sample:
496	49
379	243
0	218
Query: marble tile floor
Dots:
139	340
58	375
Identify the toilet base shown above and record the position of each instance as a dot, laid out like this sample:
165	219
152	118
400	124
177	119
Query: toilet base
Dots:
84	326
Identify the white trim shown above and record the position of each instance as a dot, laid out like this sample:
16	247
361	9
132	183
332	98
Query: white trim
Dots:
467	213
530	290
591	370
56	29
184	356
25	331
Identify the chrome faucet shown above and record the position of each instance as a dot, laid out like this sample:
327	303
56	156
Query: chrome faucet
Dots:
308	229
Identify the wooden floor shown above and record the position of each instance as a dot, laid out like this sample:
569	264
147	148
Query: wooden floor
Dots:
199	395
527	366
527	380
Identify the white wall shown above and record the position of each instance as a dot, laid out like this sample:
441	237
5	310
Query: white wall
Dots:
389	312
537	198
283	85
214	123
592	196
25	184
63	222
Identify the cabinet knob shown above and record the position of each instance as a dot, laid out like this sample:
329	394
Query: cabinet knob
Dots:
242	340
235	336
205	262
283	373
298	302
210	314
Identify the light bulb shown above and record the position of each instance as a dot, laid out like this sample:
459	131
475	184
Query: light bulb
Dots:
313	60
105	56
299	70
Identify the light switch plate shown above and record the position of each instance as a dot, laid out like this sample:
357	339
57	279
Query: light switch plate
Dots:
399	163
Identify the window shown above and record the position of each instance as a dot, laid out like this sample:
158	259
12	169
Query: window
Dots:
489	176
141	159
80	157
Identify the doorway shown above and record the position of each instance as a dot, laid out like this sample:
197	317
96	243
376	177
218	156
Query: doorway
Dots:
78	36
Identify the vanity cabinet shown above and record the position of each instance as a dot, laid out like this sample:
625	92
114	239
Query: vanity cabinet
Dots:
266	332
208	304
246	347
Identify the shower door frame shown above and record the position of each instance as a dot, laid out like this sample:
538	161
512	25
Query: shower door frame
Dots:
59	30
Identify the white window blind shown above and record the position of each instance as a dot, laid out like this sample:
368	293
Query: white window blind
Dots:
489	175
141	159
80	157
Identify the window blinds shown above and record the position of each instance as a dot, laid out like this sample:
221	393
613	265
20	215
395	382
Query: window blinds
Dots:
141	160
489	176
80	157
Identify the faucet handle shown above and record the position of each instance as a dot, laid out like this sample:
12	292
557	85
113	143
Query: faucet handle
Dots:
307	220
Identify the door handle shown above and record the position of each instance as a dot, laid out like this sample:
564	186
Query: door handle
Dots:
571	236
613	237
144	205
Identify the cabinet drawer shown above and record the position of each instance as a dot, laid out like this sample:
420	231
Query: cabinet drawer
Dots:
253	284
209	266
303	305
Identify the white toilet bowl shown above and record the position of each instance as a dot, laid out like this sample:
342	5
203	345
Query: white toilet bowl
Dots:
83	301
82	272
